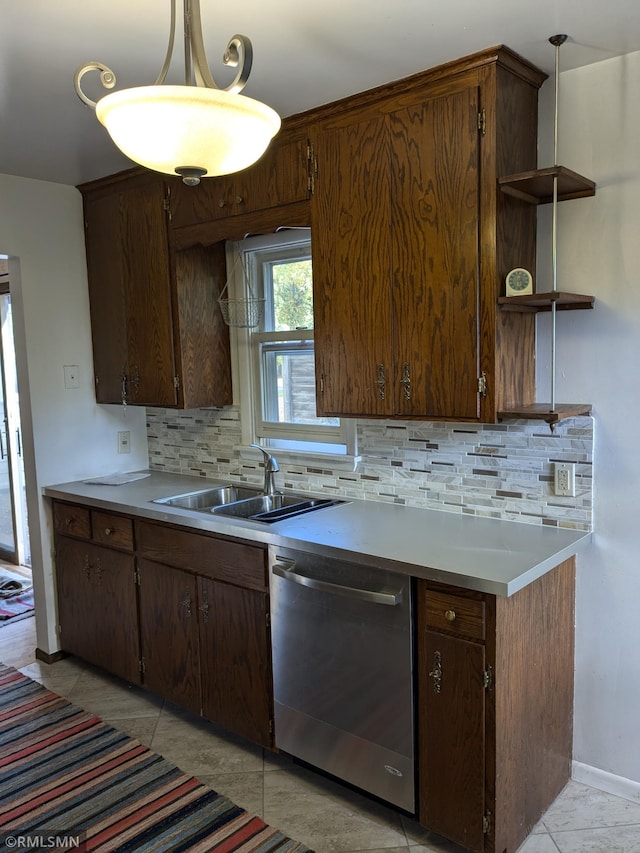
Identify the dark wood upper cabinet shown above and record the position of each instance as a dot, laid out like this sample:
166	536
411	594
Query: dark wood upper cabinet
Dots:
158	334
412	240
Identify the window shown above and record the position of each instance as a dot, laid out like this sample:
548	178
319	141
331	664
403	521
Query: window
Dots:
278	402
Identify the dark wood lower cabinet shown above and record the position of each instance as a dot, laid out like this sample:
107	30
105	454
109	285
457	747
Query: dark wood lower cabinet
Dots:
169	634
97	606
236	659
452	761
495	708
494	674
185	614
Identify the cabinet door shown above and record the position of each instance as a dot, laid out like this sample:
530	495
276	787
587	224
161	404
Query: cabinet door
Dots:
351	269
151	367
106	269
451	718
236	659
279	178
76	602
97	606
169	633
435	231
130	293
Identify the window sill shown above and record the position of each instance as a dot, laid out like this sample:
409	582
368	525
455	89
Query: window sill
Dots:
312	460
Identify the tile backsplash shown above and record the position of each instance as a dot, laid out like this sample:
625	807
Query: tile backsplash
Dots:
497	470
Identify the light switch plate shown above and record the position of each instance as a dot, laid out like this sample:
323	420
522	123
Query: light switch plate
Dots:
71	376
124	441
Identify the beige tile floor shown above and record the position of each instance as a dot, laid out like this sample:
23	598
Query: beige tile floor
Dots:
322	814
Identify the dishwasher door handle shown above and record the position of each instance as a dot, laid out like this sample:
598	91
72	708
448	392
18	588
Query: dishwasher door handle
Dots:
373	596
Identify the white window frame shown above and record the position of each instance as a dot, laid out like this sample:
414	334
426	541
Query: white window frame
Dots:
337	443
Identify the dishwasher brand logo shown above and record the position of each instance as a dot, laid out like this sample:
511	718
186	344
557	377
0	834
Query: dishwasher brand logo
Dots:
393	770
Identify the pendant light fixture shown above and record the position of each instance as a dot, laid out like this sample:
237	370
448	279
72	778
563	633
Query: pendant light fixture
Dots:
192	130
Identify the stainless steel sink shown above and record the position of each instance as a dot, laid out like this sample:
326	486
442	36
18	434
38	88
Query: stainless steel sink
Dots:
271	508
247	502
206	499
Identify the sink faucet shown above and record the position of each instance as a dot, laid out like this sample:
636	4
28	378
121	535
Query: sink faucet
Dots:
270	468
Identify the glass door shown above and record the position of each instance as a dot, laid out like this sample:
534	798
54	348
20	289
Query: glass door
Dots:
14	538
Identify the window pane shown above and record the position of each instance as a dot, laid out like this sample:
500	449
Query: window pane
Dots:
292	295
288	386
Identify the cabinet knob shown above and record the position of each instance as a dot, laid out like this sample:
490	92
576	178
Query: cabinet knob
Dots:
221	202
450	615
68	522
239	199
109	530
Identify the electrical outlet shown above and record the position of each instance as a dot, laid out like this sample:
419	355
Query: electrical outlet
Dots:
124	441
564	479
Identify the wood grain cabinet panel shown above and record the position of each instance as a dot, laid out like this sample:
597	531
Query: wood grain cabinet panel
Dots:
186	614
97	606
235	651
169	634
113	530
495	702
452	762
71	520
279	178
239	563
411	244
159	338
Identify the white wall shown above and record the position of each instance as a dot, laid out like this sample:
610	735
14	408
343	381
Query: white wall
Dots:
66	436
598	361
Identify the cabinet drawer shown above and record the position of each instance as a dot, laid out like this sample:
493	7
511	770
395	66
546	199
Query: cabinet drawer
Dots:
112	530
71	520
220	559
455	614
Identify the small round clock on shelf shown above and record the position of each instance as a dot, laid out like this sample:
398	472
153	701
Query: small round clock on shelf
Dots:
519	282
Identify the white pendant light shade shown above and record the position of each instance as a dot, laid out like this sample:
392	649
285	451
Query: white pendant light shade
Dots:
194	130
172	128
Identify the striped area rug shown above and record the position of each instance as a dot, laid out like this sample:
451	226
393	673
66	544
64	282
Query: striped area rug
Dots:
62	770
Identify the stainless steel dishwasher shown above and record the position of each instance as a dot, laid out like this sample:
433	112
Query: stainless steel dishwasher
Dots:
342	669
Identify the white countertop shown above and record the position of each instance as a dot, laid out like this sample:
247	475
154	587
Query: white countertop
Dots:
488	555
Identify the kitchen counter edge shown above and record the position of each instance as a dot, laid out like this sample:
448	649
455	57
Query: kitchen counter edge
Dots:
488	555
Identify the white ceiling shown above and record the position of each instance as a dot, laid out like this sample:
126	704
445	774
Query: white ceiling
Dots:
305	54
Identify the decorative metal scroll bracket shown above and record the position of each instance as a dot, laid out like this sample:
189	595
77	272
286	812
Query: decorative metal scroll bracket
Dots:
238	54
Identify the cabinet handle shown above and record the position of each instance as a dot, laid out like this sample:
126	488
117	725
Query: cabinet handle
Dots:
186	603
221	202
87	567
204	609
109	530
436	672
99	568
406	381
380	381
450	615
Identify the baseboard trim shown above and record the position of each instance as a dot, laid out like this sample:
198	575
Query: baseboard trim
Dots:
45	657
608	782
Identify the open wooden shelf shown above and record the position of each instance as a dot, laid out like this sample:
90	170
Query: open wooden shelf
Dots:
544	412
536	186
534	302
